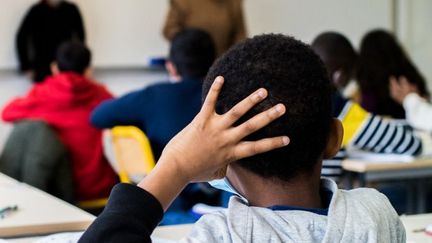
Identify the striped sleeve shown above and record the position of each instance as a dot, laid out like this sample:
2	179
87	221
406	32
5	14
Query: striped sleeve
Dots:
375	134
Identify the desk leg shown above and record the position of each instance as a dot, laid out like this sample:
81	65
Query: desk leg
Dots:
421	196
362	179
349	180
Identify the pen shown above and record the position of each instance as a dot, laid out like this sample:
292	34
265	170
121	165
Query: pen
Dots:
4	211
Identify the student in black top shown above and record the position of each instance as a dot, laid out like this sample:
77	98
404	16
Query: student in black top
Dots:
47	24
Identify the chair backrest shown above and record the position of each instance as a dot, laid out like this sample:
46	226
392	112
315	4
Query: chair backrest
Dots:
129	152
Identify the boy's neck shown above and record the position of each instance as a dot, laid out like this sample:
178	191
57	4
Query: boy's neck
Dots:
302	191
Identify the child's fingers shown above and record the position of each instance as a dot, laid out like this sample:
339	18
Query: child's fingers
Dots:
247	149
211	99
244	106
259	121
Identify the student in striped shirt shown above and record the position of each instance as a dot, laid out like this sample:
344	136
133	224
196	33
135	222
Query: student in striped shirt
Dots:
363	130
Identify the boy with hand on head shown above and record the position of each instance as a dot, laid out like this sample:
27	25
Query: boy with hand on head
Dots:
64	101
243	140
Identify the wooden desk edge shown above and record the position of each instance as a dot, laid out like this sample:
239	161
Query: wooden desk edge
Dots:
360	166
44	229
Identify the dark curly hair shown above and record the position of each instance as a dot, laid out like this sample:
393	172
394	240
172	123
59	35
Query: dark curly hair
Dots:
293	75
381	56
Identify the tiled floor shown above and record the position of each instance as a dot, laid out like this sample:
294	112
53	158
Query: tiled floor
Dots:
118	82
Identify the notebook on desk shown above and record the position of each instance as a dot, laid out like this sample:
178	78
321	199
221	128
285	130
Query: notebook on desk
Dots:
38	213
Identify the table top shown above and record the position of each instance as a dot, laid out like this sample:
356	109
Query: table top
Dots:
361	166
38	212
416	222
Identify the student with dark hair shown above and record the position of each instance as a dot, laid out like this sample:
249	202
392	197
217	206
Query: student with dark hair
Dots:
46	25
381	57
64	101
363	130
280	194
162	110
340	59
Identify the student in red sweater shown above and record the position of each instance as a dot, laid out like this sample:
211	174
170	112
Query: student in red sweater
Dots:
65	101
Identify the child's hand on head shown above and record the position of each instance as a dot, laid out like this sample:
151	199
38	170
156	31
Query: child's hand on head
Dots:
401	88
203	150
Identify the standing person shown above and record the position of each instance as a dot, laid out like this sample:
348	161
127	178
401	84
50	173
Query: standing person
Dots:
222	19
64	101
47	24
381	57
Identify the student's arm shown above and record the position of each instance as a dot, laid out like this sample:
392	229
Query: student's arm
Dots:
174	21
373	133
23	41
200	152
121	111
418	112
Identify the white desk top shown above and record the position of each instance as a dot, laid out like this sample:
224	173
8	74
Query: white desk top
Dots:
38	212
416	222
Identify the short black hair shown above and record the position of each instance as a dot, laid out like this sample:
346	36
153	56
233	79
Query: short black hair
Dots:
192	53
338	54
293	75
73	56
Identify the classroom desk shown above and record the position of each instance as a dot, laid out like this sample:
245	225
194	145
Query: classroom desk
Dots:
416	222
415	173
38	212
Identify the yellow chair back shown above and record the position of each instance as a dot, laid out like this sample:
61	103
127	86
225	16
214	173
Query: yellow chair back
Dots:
132	153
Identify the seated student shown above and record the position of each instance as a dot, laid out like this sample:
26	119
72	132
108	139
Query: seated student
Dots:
162	110
418	110
340	59
363	130
281	196
64	101
380	57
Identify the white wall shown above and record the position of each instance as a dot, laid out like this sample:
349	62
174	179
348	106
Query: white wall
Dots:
415	33
127	32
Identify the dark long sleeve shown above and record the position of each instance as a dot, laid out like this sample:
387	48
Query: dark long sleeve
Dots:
78	25
131	215
23	41
121	111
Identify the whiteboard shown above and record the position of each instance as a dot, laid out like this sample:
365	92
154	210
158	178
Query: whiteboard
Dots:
125	33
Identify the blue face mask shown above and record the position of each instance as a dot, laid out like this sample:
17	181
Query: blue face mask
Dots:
224	185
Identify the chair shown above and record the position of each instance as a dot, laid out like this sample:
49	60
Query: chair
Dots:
129	152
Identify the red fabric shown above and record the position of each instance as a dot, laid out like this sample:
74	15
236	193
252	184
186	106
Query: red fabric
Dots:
65	102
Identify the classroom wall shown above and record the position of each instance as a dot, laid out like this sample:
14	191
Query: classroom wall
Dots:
126	33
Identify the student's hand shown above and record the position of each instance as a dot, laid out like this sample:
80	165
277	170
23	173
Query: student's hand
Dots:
399	89
203	150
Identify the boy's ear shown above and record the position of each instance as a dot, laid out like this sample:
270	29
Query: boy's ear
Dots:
54	68
334	140
88	72
172	71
